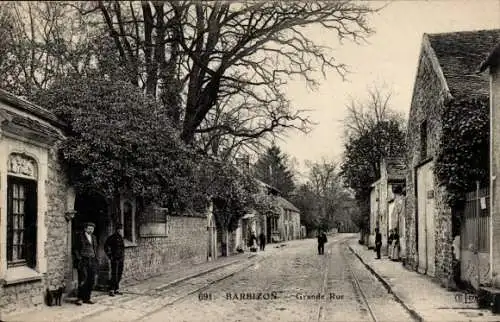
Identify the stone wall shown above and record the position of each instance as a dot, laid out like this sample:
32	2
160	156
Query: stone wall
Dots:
30	294
57	246
427	105
186	243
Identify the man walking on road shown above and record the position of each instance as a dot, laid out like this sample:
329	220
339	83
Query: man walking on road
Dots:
378	242
115	250
322	240
85	255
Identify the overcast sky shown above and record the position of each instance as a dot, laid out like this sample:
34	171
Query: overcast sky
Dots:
390	58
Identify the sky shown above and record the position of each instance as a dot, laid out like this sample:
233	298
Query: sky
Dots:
388	60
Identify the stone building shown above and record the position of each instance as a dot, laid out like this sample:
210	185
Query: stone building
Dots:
289	220
445	73
492	65
40	213
392	172
34	247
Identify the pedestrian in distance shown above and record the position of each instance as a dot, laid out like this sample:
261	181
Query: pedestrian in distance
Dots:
262	241
322	240
85	256
378	242
115	250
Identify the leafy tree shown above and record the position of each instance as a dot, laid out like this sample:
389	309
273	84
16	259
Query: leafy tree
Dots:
273	169
373	131
463	155
307	202
232	192
323	200
118	139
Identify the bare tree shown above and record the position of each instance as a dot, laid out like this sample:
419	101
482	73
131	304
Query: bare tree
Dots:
211	51
363	116
42	41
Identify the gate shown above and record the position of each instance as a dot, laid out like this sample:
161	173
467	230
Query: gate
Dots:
475	237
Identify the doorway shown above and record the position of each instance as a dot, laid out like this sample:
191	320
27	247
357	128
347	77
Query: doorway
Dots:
92	208
426	221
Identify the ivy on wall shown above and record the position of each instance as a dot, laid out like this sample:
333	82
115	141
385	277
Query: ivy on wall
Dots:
463	155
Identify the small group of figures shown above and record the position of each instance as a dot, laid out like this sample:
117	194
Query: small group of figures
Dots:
392	244
86	262
252	242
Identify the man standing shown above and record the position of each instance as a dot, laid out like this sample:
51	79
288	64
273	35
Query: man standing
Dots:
115	250
262	241
321	243
85	255
378	242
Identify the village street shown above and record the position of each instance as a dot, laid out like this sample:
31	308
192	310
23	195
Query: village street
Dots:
281	283
287	284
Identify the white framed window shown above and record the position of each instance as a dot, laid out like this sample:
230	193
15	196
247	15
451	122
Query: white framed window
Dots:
22	208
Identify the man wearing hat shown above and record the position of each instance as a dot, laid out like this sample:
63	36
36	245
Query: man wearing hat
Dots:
115	250
85	254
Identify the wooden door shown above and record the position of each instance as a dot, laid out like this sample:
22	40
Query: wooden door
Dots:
426	225
430	220
422	240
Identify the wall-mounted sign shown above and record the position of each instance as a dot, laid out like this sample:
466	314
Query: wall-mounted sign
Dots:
483	203
430	194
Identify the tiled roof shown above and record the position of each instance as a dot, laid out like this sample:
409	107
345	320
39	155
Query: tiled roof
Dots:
459	55
30	128
29	107
283	203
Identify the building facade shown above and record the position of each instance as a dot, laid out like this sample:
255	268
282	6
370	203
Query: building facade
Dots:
444	75
382	199
492	65
33	223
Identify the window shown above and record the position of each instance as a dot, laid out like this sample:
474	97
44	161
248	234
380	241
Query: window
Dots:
21	222
423	139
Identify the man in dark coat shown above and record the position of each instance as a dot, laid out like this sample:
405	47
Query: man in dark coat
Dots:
85	255
115	250
262	241
321	243
378	242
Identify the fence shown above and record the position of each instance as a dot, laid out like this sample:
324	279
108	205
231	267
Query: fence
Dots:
475	227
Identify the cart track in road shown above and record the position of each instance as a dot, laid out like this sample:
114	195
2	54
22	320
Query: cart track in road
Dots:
355	282
204	285
368	297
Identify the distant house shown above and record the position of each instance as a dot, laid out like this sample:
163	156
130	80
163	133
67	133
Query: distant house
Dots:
392	172
492	64
445	74
289	220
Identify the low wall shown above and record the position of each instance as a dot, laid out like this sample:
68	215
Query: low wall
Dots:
186	242
468	267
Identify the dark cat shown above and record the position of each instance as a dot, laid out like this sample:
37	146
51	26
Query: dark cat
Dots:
53	297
